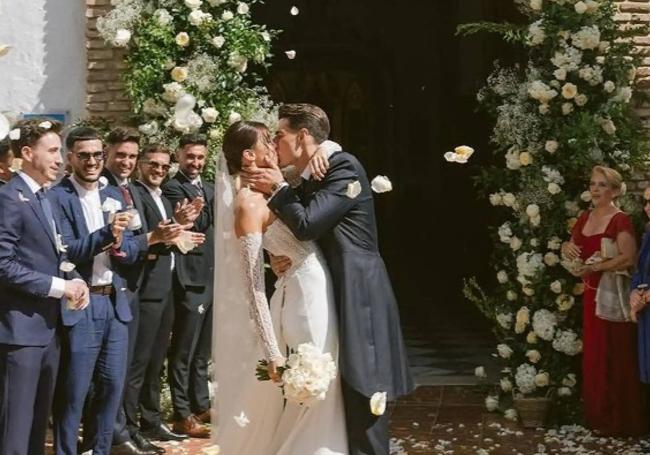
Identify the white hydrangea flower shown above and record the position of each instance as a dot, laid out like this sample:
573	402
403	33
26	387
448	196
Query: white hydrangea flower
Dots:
580	7
515	243
510	414
479	372
554	243
567	342
504	320
588	37
504	351
502	277
536	33
551	259
506	384
554	188
496	199
525	378
511	295
544	323
491	403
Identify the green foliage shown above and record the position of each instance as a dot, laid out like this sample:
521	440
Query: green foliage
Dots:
509	32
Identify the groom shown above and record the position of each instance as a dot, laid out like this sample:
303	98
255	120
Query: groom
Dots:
338	212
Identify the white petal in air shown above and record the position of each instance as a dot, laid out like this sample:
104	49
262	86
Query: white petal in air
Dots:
14	134
354	189
294	11
22	198
45	125
4	49
381	184
291	54
242	420
378	403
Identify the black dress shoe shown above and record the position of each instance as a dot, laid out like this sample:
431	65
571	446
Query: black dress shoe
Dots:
162	433
129	448
144	444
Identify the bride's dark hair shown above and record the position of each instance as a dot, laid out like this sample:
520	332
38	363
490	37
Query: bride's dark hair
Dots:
240	136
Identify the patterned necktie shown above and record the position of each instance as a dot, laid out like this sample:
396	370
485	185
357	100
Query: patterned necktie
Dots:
128	200
47	209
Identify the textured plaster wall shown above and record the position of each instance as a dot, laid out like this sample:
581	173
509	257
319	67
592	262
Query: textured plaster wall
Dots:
45	71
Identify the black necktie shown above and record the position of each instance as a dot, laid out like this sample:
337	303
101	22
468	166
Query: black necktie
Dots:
47	209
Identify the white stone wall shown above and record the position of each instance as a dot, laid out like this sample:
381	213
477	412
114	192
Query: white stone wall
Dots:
45	71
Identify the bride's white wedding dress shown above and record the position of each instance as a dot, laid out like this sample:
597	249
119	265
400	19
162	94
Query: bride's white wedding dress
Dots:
250	416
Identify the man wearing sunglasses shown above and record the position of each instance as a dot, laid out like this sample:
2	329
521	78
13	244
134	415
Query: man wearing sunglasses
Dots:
95	342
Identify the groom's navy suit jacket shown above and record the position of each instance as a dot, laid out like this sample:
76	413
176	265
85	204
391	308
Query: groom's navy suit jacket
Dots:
29	259
372	356
83	246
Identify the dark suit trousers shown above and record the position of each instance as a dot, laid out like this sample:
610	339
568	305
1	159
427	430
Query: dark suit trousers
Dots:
98	342
198	386
367	434
188	326
27	380
120	432
143	380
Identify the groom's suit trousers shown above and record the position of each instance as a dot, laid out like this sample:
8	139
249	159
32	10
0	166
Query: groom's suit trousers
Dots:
368	434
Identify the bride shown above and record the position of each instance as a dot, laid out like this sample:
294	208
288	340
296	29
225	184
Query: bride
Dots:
251	417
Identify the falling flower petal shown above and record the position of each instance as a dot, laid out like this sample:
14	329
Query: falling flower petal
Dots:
378	403
45	125
14	134
242	420
294	11
67	266
291	54
4	49
381	184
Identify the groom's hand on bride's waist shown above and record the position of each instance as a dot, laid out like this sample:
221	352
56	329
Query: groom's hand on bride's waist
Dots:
279	264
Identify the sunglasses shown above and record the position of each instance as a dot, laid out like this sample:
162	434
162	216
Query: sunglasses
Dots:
157	165
85	156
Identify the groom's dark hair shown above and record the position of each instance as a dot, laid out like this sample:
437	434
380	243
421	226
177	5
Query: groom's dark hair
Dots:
308	116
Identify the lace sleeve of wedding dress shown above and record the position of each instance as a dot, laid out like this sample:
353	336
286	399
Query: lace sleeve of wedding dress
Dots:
253	260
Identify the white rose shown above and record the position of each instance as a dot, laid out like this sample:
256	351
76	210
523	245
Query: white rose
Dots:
533	355
491	403
534	242
183	39
242	8
581	99
564	391
554	243
193	4
525	158
515	243
209	114
551	259
560	74
565	302
569	90
554	188
542	379
522	319
179	73
585	196
532	210
496	199
570	380
551	146
609	86
536	5
227	15
543	109
233	118
378	403
238	62
531	338
608	126
506	384
556	286
122	37
511	295
479	372
509	199
504	351
381	184
580	7
218	41
567	108
197	17
163	16
529	291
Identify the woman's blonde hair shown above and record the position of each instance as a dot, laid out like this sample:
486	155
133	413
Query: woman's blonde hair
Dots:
613	177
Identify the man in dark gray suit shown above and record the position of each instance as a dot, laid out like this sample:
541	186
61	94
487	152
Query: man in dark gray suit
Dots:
338	212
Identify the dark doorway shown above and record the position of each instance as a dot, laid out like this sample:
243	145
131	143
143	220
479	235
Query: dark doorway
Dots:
400	90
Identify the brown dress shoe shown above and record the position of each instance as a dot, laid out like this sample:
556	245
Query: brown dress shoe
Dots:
204	416
192	427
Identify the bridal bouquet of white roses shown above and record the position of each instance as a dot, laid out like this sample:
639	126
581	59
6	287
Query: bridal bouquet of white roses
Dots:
307	375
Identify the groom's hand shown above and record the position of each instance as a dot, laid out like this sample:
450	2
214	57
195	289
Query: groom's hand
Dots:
264	180
279	264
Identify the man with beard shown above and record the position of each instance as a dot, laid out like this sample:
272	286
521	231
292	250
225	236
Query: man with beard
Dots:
32	285
94	229
192	287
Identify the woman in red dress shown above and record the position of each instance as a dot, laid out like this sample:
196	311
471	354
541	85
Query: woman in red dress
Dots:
611	389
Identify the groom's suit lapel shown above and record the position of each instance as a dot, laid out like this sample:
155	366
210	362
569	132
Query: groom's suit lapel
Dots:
29	197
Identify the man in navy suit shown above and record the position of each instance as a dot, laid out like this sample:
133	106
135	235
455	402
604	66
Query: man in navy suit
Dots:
32	285
96	339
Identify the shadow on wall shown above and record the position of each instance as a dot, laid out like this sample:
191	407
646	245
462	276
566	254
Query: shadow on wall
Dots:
64	59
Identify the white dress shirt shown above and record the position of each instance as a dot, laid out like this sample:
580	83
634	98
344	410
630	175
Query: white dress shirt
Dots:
92	209
156	194
57	288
